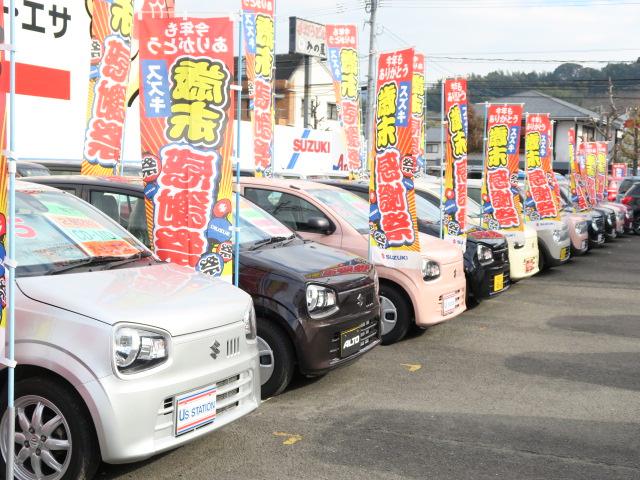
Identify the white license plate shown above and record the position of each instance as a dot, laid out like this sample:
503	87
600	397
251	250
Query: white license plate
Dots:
195	409
448	304
585	244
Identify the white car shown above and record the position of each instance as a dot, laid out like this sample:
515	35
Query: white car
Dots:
120	356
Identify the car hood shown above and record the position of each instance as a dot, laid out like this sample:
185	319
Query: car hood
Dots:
439	250
165	296
307	261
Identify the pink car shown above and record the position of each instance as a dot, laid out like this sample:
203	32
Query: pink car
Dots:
340	219
578	225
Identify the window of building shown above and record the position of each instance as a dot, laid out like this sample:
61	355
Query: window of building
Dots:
332	111
432	148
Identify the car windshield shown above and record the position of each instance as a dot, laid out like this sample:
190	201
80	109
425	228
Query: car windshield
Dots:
56	231
425	209
257	226
348	205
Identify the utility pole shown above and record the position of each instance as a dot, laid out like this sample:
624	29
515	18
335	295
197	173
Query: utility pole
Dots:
372	8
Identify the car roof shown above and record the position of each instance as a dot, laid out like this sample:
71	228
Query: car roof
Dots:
88	180
27	186
288	183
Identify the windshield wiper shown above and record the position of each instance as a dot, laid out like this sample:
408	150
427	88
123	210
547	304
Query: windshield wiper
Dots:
111	261
270	241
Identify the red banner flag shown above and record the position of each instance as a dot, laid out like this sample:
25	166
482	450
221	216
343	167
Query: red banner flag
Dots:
602	148
542	201
394	228
455	172
186	72
259	32
578	194
590	165
501	204
342	45
111	29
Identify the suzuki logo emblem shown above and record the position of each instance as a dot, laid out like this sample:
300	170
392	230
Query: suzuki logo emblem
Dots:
215	350
360	300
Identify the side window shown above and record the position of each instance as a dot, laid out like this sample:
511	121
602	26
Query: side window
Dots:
291	210
127	210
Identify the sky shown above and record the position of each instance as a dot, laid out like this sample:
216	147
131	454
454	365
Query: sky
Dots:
530	30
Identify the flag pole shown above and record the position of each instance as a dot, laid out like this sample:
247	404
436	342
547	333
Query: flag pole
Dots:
10	260
442	157
236	217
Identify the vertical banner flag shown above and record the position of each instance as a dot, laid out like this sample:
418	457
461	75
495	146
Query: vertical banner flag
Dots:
602	149
259	32
541	202
454	203
4	186
186	71
158	8
418	125
590	165
342	45
111	29
501	204
392	218
578	197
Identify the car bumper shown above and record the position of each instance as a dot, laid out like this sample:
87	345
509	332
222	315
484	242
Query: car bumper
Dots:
448	289
485	280
557	253
523	262
319	341
135	418
596	239
579	244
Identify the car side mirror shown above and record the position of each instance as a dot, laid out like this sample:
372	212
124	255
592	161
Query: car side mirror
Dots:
320	225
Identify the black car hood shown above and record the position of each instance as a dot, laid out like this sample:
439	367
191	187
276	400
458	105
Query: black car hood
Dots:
308	262
475	234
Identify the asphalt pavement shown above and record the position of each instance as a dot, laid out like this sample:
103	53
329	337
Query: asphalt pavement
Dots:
542	382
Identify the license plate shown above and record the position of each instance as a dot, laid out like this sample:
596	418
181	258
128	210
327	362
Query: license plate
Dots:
195	409
349	342
529	264
498	282
448	304
564	253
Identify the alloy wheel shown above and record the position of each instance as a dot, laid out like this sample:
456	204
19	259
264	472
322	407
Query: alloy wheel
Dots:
388	315
265	355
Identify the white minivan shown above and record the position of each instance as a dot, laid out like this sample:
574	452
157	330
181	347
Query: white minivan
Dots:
120	356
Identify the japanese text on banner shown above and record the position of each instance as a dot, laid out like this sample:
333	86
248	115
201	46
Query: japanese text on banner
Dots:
602	148
342	45
501	204
454	203
259	33
577	185
392	217
591	171
4	181
542	195
186	71
111	29
418	104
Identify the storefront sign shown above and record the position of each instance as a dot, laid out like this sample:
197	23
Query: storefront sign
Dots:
307	38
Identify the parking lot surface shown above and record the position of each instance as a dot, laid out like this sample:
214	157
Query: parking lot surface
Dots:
542	382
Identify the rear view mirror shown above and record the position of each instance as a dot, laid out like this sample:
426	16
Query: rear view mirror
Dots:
320	225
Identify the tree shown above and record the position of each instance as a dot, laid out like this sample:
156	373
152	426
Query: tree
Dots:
630	144
606	125
476	130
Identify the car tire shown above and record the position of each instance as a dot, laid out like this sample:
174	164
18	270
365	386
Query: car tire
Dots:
542	261
275	349
53	399
636	226
396	304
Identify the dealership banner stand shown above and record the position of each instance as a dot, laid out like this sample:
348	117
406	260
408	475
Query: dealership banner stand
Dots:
236	217
9	262
442	156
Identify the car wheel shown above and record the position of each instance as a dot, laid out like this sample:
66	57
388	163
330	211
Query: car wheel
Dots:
542	261
54	435
277	358
395	314
636	226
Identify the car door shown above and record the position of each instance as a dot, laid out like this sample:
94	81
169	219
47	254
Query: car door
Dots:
295	212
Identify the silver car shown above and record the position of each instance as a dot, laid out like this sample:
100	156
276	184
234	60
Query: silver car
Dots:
120	356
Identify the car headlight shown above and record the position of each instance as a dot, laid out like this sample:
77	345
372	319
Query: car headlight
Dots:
485	255
321	301
556	235
136	350
249	320
430	269
581	228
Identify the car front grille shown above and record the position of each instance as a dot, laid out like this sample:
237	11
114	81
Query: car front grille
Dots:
369	332
459	299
